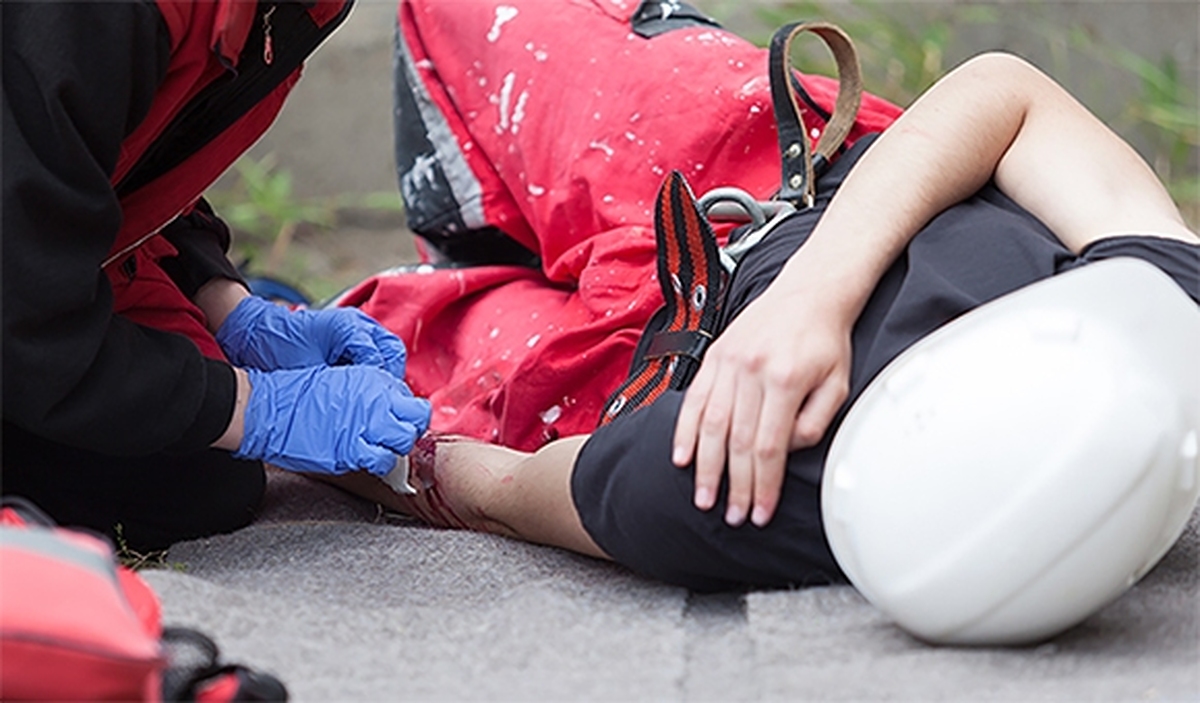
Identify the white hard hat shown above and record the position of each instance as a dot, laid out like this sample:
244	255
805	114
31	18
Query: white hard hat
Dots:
1024	465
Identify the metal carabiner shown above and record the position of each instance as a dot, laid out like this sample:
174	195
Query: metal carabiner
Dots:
736	205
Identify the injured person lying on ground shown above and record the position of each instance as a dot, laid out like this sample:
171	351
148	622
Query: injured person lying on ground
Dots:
993	180
914	236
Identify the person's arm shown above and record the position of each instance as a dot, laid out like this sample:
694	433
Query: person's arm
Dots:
76	79
467	484
773	382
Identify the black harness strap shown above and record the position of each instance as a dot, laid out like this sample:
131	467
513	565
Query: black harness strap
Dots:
689	260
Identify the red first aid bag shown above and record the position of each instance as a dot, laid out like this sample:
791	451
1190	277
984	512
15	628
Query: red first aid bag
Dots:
76	625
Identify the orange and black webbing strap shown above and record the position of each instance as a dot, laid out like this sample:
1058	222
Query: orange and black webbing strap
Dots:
692	280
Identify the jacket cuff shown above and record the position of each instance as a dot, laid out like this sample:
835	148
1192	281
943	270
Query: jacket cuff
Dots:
202	240
216	410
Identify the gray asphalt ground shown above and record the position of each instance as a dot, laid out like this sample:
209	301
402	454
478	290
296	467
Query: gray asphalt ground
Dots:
344	603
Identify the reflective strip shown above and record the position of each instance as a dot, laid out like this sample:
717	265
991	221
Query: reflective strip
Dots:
463	183
49	544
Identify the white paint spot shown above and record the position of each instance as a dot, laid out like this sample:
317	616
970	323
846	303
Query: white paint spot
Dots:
494	333
536	190
424	270
540	56
608	198
551	415
608	150
447	410
533	341
505	100
519	110
504	14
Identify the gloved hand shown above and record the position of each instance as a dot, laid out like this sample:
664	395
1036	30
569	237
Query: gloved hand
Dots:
331	419
262	335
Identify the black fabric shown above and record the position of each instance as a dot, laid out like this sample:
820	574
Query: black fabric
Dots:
638	507
157	499
202	240
655	17
77	79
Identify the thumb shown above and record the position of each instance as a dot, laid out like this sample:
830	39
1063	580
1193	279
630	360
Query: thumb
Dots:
375	459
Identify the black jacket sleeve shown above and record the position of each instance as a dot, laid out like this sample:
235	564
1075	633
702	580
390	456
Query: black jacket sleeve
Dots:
202	240
77	79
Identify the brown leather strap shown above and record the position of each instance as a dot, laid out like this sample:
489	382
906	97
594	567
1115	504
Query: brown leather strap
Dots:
798	181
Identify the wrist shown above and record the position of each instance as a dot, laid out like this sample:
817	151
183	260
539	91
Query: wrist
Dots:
217	298
828	279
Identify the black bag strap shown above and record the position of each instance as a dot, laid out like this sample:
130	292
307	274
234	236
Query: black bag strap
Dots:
798	184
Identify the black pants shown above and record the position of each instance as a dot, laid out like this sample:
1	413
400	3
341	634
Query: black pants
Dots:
155	500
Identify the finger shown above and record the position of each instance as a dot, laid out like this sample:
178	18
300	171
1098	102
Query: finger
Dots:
391	349
357	347
817	412
743	429
711	441
397	436
378	460
779	409
687	425
415	411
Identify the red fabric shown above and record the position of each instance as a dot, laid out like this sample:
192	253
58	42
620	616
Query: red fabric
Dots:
569	121
223	688
203	34
72	628
144	294
206	39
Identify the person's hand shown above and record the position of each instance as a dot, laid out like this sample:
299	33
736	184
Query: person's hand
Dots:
771	383
262	335
331	419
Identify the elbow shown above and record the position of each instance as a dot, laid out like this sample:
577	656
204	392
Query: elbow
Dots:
1002	69
998	66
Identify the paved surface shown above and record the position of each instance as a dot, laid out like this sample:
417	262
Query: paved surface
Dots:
345	604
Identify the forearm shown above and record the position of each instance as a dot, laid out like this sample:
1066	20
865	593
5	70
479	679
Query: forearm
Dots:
942	150
993	117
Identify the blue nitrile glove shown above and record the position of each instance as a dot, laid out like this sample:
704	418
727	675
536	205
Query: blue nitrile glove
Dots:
331	419
262	335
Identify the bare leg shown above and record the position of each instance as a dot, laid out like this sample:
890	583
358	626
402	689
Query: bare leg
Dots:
466	484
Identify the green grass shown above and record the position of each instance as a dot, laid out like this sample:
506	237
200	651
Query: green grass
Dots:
138	561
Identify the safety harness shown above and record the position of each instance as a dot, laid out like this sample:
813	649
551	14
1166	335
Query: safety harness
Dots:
692	269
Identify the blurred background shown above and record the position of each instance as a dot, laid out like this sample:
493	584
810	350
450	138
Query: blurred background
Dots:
316	204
